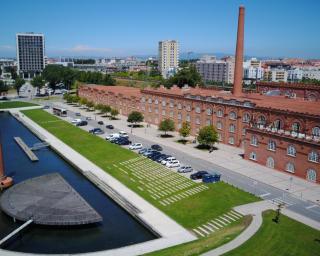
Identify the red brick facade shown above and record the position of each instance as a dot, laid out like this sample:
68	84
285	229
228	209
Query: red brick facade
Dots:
287	120
299	90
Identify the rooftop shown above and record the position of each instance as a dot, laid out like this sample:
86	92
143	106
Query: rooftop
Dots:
124	90
47	200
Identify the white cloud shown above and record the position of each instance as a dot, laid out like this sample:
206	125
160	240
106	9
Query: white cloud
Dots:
85	49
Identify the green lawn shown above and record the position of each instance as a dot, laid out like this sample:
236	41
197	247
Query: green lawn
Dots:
287	238
206	244
15	104
152	181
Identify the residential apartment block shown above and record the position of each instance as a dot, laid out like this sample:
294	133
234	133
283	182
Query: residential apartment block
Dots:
168	57
30	54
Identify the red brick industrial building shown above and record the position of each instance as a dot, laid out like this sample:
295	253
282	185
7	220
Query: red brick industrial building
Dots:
277	131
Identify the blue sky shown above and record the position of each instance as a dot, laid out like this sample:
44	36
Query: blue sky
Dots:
130	27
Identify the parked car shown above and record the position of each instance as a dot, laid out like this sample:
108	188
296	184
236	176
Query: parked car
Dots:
78	114
135	146
100	122
123	134
153	154
82	123
143	150
75	121
46	107
162	157
198	175
168	159
210	178
109	126
173	163
112	136
148	152
124	141
156	147
96	131
185	169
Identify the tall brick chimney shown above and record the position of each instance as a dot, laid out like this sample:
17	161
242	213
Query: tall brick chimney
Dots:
238	70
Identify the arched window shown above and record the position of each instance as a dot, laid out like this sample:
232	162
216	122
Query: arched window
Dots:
220	113
164	102
291	150
156	101
233	115
316	131
198	109
313	156
262	120
270	162
231	140
296	127
290	167
219	125
272	145
209	111
246	118
311	175
277	124
232	128
179	105
253	156
254	140
209	122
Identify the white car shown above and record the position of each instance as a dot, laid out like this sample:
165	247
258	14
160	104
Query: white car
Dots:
173	163
112	136
75	121
169	159
123	134
136	146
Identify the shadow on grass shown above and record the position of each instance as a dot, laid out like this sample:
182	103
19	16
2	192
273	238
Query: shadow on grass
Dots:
206	147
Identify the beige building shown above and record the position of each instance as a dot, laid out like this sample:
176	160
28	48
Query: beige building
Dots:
275	75
168	57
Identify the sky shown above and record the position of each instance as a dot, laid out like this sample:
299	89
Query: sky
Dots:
106	28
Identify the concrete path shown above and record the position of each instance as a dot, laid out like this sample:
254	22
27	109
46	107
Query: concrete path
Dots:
170	232
254	209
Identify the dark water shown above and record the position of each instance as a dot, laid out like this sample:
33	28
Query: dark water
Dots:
117	229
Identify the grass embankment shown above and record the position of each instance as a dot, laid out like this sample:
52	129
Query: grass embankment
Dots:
15	104
286	238
152	181
203	245
133	83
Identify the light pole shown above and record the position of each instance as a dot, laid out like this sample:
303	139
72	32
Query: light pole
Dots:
291	179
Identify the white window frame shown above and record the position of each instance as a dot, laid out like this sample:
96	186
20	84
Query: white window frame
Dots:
290	167
272	146
311	175
313	156
291	151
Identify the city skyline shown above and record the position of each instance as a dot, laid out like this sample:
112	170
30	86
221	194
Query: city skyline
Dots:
77	28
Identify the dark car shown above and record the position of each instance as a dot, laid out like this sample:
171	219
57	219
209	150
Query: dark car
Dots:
109	126
77	114
82	123
211	178
46	107
198	175
154	154
162	157
156	147
122	141
156	157
96	131
100	122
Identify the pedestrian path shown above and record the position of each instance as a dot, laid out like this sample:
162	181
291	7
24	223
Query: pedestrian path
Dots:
162	184
216	224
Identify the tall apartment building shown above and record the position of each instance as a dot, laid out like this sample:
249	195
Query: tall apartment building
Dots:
252	69
168	57
30	54
276	75
216	70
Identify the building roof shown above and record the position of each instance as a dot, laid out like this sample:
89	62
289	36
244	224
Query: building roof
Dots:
290	85
124	90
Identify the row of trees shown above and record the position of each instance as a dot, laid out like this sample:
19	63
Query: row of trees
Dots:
105	109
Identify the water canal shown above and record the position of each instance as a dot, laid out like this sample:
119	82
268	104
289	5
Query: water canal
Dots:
117	229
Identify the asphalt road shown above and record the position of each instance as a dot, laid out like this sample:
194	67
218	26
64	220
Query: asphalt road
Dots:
262	190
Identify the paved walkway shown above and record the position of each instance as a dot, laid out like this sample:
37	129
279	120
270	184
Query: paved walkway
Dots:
227	157
170	232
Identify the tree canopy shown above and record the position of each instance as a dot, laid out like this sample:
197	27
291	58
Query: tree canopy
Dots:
166	125
185	129
38	82
3	87
187	75
18	82
135	117
208	136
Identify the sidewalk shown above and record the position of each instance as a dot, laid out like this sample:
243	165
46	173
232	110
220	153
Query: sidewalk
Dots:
226	156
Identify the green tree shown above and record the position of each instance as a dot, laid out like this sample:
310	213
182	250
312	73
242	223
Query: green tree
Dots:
53	74
185	129
90	104
135	117
108	80
18	82
98	107
106	109
83	101
38	82
188	75
114	112
3	88
208	136
166	125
